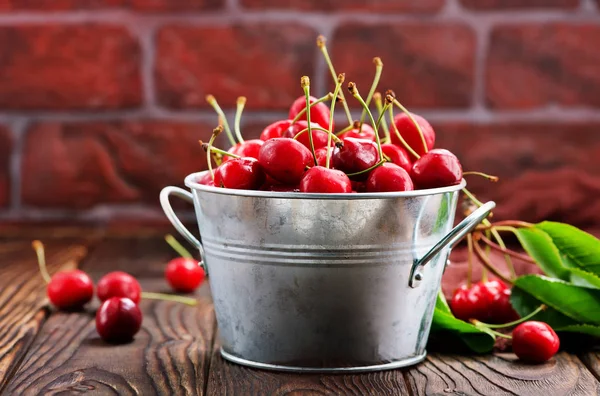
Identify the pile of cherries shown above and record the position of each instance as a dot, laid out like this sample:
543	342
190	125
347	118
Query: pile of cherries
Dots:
119	317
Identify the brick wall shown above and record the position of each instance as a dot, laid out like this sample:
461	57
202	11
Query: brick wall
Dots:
102	101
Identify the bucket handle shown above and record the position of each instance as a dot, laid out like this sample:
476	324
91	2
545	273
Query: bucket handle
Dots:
450	239
166	206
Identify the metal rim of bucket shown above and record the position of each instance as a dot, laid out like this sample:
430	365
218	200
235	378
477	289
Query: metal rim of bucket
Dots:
190	181
296	369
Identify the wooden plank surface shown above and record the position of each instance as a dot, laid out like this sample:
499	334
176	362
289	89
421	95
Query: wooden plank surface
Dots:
23	297
170	355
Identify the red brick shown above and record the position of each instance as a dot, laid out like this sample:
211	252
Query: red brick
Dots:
507	4
90	66
263	62
79	165
547	171
176	5
348	5
538	65
6	143
144	5
427	65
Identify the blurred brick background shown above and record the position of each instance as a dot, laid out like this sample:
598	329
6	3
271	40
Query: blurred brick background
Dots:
102	101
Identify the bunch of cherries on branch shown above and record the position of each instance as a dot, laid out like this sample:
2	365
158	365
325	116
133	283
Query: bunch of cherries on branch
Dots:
306	153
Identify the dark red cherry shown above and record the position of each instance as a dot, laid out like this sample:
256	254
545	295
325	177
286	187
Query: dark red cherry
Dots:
356	155
437	168
275	130
118	319
119	284
366	132
285	160
319	137
70	290
534	342
397	155
410	133
184	274
240	173
248	148
501	310
319	179
470	303
359	186
319	113
389	177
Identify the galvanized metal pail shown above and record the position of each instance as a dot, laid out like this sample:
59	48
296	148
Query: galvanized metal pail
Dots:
323	282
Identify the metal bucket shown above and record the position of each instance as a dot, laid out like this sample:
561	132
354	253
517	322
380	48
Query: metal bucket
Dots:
323	282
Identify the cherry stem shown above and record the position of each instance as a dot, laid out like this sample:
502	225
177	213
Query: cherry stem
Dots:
215	133
414	122
488	264
381	110
320	100
513	323
398	135
241	102
178	247
41	256
504	250
354	91
470	260
305	83
331	134
217	150
170	297
485	175
213	102
509	263
378	70
381	119
506	225
348	128
472	197
323	47
338	86
366	170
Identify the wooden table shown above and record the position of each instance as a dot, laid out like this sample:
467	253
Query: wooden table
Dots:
176	352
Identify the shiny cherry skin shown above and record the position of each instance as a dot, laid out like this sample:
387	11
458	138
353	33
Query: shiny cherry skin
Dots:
321	154
319	113
366	132
249	148
240	173
410	133
389	177
534	342
470	303
319	137
398	156
285	160
70	290
319	179
437	168
501	310
119	284
184	274
275	130
118	319
205	179
356	155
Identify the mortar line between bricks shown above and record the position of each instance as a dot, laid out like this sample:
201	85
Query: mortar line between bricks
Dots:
18	129
482	37
101	213
148	54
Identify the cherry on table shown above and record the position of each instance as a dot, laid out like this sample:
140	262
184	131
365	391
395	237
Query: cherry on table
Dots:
389	177
534	342
319	179
356	155
240	173
319	137
275	130
119	284
118	319
397	155
410	133
319	113
247	148
285	160
366	132
437	168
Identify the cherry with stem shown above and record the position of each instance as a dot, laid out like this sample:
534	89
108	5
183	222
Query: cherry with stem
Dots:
338	86
354	91
305	84
408	113
210	99
484	175
316	128
322	99
378	70
240	103
214	135
323	47
389	99
208	148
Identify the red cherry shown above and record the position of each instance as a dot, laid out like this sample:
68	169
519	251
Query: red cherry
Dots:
285	160
437	168
319	113
410	133
366	132
397	155
205	179
240	173
118	319
70	290
275	130
319	179
534	342
501	309
321	154
319	137
119	284
248	148
356	155
389	177
470	303
359	186
184	274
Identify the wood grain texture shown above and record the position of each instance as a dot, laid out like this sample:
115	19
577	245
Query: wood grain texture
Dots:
23	297
170	355
230	379
591	360
500	374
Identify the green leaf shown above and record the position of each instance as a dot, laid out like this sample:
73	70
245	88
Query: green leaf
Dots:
541	248
442	304
578	303
476	339
582	329
524	303
579	247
